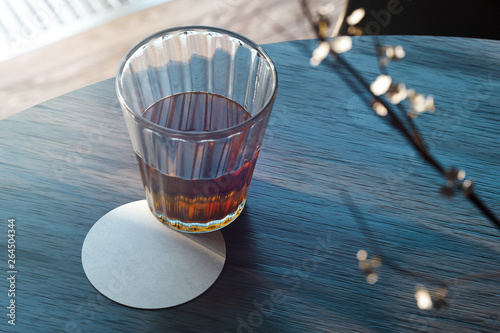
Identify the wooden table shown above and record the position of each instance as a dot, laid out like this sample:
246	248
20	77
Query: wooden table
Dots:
328	164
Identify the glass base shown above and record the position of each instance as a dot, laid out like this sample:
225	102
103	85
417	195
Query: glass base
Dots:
133	259
202	227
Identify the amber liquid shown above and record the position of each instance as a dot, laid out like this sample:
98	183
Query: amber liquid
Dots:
197	205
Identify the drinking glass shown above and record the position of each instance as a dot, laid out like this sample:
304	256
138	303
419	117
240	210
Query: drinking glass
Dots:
196	101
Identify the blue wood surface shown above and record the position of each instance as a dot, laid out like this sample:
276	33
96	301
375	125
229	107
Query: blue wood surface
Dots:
291	256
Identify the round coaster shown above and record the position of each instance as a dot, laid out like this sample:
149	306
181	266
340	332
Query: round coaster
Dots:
133	259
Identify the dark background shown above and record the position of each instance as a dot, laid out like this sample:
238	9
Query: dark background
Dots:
475	19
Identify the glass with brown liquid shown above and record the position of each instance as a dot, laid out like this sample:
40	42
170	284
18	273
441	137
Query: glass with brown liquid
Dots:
196	101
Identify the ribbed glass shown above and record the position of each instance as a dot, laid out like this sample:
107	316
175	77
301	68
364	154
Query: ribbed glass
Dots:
192	177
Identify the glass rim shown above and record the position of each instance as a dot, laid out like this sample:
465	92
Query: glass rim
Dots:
225	132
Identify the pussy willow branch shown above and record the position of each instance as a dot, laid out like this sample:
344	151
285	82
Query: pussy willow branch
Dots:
441	301
373	244
412	136
401	108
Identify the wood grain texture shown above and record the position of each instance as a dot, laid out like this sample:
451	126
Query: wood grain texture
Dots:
291	256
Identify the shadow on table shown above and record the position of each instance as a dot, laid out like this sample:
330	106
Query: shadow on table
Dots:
286	272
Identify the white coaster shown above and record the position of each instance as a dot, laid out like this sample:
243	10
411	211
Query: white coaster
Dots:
133	259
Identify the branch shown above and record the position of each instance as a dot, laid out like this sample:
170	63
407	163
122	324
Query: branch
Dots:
410	132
